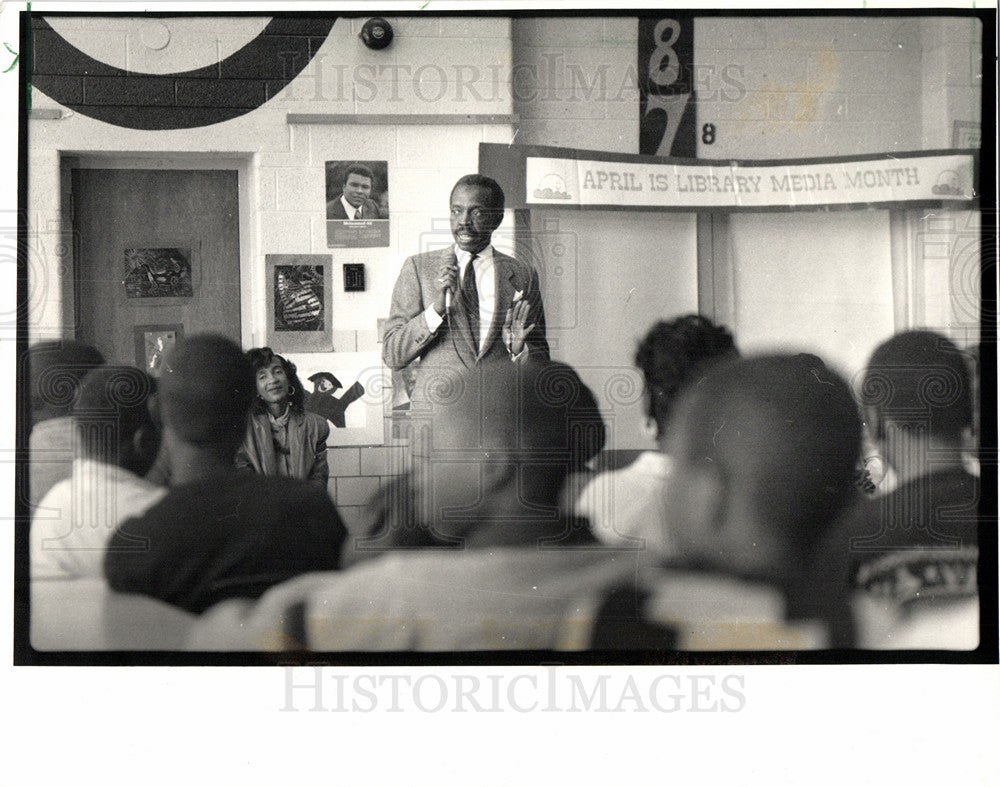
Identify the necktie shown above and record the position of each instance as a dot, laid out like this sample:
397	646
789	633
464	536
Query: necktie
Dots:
470	300
357	213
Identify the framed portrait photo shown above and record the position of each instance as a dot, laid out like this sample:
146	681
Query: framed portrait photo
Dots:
357	204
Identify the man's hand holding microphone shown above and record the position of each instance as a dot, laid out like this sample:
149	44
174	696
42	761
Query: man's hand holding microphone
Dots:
446	285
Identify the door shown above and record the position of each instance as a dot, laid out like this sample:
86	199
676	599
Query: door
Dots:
157	258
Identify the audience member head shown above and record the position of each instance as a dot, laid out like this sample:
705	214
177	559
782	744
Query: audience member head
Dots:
205	392
276	379
56	369
503	439
114	424
917	386
764	456
670	356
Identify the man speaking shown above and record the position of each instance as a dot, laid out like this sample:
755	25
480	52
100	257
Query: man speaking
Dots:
454	307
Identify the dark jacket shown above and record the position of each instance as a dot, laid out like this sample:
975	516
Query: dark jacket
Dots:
228	536
335	210
307	435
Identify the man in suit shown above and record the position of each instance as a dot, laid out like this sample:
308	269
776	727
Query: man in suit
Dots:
356	200
457	306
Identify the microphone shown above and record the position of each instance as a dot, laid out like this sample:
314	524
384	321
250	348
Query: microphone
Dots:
447	292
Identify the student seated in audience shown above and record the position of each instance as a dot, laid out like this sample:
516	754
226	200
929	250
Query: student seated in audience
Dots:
116	442
218	533
912	553
281	437
391	521
394	519
626	507
509	566
764	452
56	369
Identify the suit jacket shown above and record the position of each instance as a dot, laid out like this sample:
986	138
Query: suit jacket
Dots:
452	348
335	209
307	435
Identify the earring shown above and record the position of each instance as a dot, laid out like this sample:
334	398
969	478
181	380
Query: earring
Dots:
291	390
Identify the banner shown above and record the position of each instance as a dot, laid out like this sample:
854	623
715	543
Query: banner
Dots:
569	182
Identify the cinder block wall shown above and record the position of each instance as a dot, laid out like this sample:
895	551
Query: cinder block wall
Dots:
808	87
455	67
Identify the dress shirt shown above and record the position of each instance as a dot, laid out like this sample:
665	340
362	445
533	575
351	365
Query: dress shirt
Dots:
349	209
486	284
75	521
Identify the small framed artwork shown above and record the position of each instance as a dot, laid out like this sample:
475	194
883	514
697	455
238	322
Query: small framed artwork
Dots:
158	273
299	313
357	204
354	277
152	342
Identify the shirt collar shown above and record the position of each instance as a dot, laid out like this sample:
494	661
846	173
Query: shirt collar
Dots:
482	257
349	209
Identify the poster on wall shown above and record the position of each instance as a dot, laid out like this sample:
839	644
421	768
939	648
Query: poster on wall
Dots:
158	273
357	204
299	312
152	342
347	389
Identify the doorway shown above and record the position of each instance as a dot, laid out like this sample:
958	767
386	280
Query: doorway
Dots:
157	258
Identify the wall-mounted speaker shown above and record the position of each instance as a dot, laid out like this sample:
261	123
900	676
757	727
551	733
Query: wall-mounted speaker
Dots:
376	33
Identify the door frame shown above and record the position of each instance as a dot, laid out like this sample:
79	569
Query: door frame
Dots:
251	279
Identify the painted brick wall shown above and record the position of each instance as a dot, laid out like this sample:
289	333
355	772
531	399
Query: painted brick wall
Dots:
574	82
287	160
773	87
108	87
458	66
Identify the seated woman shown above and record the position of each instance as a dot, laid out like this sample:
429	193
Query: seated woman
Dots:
282	438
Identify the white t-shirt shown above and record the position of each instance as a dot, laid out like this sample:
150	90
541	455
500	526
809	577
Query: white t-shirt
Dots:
73	523
626	507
